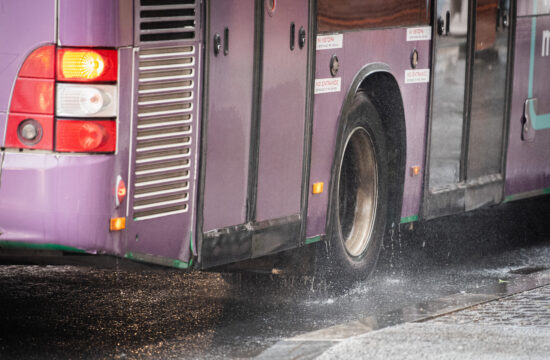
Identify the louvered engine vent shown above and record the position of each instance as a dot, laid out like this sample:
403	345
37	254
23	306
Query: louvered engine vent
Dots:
167	20
166	90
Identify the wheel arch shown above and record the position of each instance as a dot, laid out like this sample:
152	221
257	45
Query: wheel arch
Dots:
377	81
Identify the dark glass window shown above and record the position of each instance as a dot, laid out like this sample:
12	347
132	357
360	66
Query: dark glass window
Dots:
335	15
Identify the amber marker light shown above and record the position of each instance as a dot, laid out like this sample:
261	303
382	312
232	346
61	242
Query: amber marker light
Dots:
86	65
118	224
318	188
415	170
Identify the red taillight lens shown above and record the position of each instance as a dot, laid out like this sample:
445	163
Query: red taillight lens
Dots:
87	65
85	136
34	96
40	64
120	191
20	128
31	121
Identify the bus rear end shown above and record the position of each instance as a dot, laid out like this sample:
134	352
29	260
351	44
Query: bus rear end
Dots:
98	127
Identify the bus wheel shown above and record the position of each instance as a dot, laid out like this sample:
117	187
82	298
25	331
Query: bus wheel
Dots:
359	211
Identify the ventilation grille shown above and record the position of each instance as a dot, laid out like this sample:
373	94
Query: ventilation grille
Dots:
167	20
162	169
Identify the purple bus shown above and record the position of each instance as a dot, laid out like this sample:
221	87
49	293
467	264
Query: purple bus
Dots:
196	134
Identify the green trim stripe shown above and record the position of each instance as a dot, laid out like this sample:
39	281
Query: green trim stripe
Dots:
191	243
409	219
178	264
313	240
158	260
508	198
526	195
32	246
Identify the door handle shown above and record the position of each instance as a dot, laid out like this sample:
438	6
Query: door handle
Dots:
302	38
444	25
505	18
292	36
217	44
440	26
226	41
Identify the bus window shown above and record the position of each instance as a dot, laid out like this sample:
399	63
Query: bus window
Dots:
334	15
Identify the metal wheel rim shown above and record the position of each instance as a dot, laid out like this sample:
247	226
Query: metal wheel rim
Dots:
357	192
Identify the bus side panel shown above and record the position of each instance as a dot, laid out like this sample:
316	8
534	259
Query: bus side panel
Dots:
359	49
24	25
52	199
95	23
528	168
64	200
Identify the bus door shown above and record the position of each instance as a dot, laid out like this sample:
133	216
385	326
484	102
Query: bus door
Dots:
229	100
469	97
283	109
255	114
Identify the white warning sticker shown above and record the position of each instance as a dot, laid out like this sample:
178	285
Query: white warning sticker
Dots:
417	76
323	86
419	33
325	42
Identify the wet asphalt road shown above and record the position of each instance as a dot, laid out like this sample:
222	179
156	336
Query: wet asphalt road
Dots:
83	312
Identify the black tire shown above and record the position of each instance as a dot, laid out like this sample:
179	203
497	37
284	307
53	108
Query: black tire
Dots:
359	211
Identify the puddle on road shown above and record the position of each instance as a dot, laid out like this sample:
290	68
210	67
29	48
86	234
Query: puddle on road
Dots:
72	311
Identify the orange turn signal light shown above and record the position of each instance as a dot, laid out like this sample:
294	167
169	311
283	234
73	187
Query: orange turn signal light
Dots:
118	224
318	188
415	170
85	65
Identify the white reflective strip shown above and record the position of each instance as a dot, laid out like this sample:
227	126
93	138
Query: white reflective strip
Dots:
163	192
142	149
161	214
164	135
160	204
161	125
162	181
167	101
161	170
162	158
161	55
165	112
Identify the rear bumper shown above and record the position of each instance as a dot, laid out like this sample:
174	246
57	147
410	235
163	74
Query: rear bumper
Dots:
57	202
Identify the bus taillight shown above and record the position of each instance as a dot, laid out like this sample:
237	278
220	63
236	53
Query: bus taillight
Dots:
65	99
86	65
86	113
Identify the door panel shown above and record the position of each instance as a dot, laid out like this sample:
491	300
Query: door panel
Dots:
488	90
283	111
229	115
164	149
468	105
448	93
